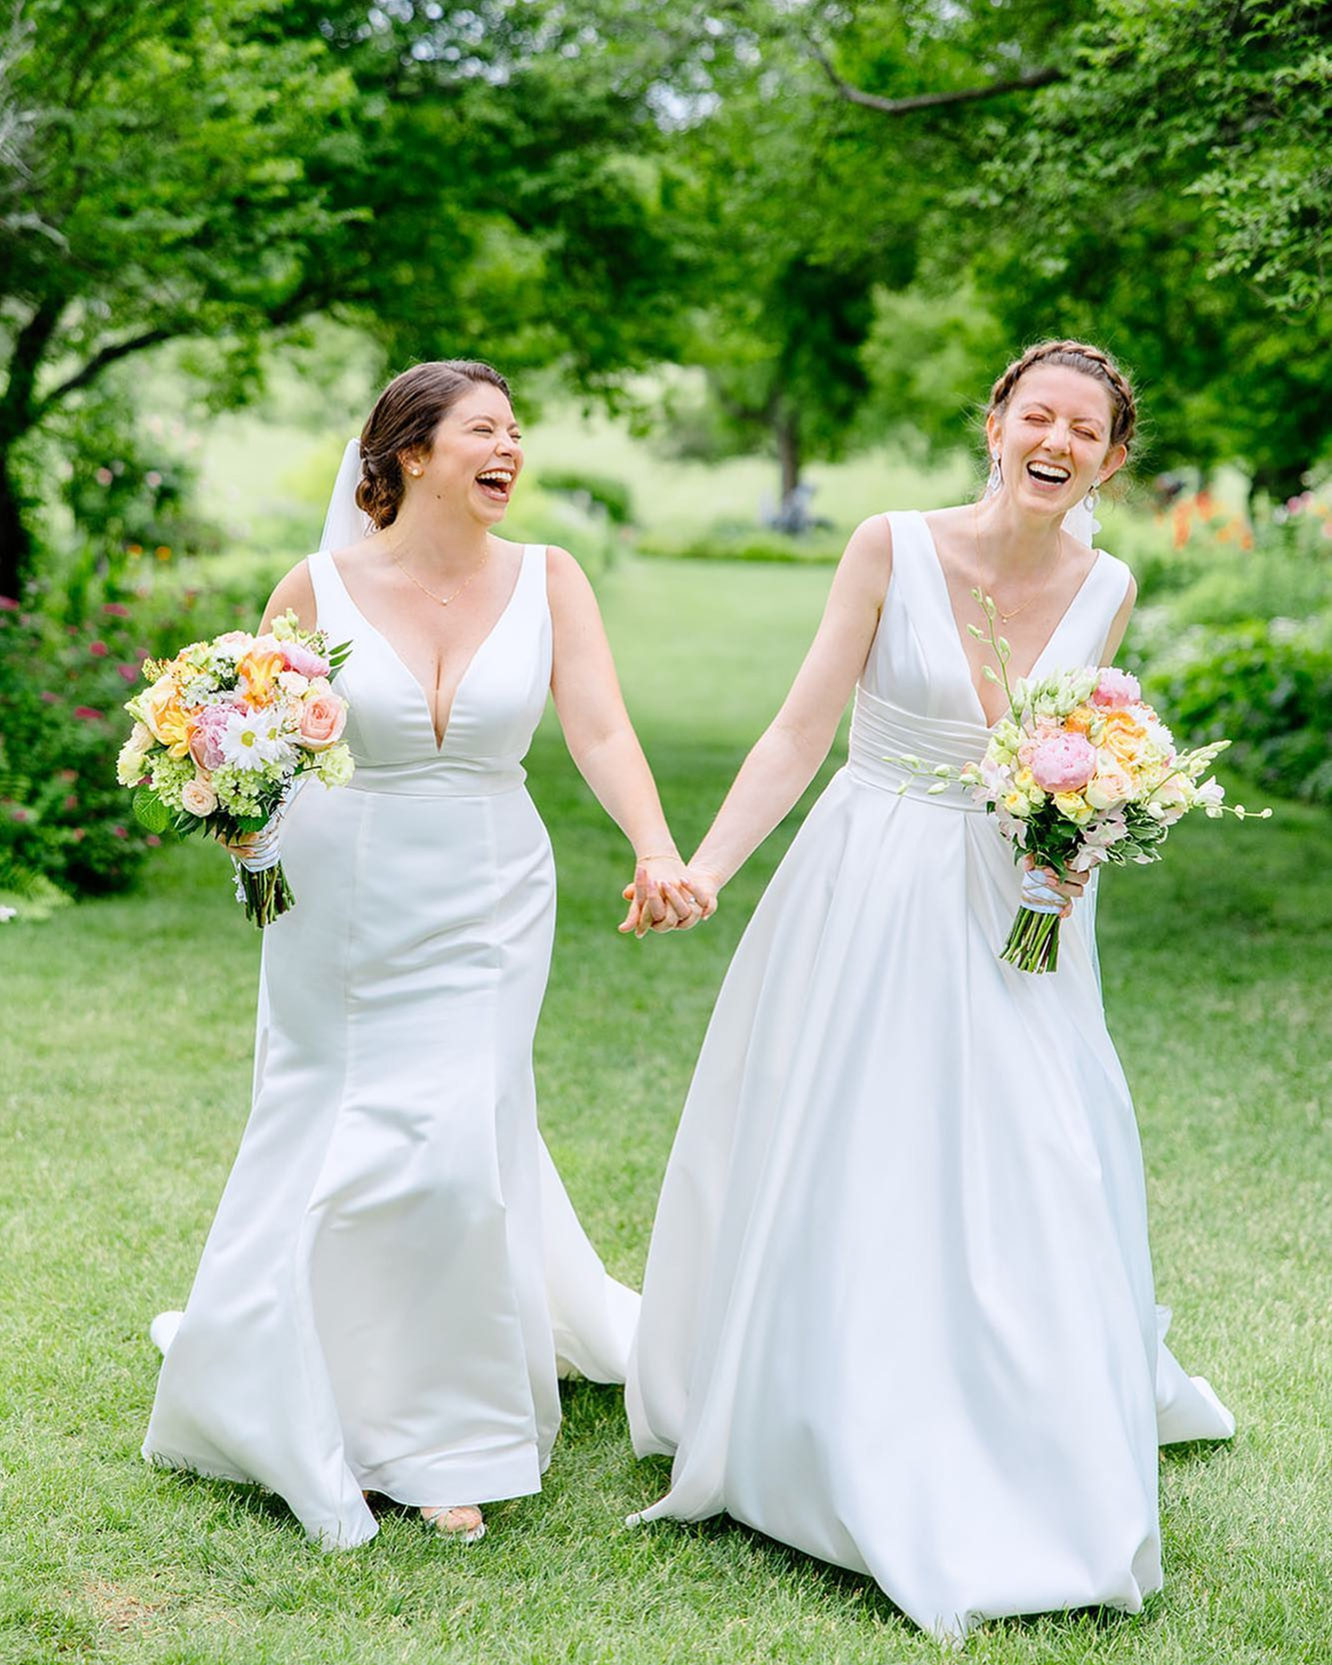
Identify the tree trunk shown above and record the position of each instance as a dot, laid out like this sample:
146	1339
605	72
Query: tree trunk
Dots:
787	426
18	412
15	542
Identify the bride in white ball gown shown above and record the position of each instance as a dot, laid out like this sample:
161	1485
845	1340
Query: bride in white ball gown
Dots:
898	1309
395	1268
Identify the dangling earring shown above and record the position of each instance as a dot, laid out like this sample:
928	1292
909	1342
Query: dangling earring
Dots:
996	479
1092	498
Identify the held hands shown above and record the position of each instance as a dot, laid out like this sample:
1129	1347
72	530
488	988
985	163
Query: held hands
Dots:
667	896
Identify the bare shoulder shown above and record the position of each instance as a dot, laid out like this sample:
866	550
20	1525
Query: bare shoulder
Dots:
294	591
867	561
566	582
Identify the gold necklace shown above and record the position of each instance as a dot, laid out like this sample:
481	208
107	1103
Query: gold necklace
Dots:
442	600
1050	565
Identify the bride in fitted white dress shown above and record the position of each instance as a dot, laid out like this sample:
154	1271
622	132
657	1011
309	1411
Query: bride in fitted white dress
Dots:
898	1309
395	1272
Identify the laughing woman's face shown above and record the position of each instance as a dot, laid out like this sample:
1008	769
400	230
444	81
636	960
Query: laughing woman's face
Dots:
477	455
1053	438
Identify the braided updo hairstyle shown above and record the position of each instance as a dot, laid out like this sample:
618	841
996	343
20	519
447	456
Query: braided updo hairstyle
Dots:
405	417
1091	361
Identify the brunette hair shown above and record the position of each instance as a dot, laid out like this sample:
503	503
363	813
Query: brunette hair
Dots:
405	417
1091	361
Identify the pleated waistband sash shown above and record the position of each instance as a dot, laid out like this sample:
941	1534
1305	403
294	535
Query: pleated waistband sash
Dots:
881	731
429	777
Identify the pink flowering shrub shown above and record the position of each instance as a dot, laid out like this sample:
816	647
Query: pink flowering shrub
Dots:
63	682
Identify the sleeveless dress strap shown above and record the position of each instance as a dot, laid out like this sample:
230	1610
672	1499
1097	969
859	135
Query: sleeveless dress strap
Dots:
333	606
918	577
1086	626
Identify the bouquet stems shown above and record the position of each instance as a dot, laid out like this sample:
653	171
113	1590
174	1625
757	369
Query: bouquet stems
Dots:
1033	943
266	894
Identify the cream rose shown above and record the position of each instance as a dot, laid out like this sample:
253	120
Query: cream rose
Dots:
198	797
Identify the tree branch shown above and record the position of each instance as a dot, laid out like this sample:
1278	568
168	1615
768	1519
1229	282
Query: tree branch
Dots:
930	101
98	362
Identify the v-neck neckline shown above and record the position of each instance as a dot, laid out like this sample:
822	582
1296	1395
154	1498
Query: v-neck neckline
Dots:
1049	642
441	740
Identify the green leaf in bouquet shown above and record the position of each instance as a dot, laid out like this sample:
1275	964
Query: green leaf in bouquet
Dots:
150	811
337	658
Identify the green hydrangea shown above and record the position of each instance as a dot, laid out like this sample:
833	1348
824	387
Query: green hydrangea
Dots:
169	775
335	767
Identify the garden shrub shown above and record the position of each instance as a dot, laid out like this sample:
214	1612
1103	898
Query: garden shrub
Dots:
65	673
1267	686
612	496
744	544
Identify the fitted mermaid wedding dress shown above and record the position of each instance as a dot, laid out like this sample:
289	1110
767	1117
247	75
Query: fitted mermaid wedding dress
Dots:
395	1266
898	1309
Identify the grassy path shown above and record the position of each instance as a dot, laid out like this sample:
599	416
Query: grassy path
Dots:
124	1066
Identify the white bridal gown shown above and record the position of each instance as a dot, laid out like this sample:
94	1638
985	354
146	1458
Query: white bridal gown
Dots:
898	1307
395	1266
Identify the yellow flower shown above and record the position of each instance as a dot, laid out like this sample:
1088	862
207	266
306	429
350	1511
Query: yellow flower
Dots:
164	715
1074	807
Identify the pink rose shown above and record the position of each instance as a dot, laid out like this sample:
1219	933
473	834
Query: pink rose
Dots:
1063	763
1117	688
323	718
303	659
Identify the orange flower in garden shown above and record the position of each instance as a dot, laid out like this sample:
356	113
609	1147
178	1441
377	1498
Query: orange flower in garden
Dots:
256	677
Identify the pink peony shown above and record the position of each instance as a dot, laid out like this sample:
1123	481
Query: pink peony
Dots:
323	718
1117	688
205	735
303	659
1063	763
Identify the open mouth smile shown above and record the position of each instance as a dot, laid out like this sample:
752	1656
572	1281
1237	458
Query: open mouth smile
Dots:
1049	474
496	483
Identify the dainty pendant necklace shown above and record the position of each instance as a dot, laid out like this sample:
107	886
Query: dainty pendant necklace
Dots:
1022	607
441	600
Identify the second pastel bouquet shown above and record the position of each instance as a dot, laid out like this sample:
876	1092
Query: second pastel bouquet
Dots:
1081	771
223	734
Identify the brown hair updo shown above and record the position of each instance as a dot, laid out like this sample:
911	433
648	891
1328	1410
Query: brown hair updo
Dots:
1091	361
405	417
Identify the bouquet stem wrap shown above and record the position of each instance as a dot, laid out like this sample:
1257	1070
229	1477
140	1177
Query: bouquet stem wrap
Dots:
261	883
1033	942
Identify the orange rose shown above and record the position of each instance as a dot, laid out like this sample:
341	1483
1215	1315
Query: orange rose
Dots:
1123	736
256	677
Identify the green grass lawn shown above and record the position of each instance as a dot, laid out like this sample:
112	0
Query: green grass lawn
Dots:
124	1072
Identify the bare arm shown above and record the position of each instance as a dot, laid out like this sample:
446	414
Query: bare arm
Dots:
294	591
597	730
786	757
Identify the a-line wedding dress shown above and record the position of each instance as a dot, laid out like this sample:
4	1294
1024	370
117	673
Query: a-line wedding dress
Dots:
395	1266
898	1309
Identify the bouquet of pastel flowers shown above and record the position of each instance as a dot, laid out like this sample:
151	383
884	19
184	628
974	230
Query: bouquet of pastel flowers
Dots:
223	733
1081	771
